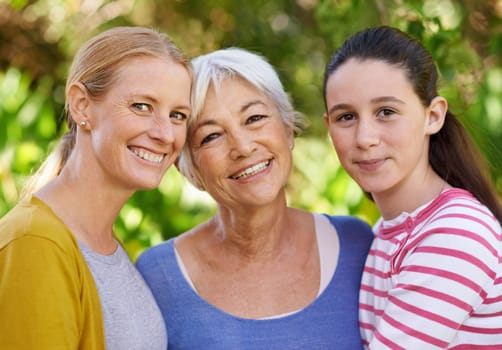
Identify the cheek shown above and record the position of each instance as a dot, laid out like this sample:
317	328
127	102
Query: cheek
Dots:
340	140
213	167
203	160
180	138
101	143
208	168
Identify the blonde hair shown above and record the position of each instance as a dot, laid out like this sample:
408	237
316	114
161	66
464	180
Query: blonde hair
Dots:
95	66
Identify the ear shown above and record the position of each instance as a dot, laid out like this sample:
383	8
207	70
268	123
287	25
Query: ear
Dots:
436	114
291	138
326	120
78	103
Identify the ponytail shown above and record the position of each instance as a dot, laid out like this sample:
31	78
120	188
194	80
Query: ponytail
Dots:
457	159
53	164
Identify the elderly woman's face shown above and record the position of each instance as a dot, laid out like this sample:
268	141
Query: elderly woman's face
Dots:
241	146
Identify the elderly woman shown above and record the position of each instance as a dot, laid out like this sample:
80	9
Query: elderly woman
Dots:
258	274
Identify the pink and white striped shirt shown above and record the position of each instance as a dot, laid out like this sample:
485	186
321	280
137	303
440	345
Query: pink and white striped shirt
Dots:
433	278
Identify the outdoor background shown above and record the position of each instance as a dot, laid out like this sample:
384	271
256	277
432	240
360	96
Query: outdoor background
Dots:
39	38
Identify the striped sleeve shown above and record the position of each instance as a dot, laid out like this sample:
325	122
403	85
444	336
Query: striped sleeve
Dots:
442	287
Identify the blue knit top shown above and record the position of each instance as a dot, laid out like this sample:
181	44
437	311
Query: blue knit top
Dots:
329	322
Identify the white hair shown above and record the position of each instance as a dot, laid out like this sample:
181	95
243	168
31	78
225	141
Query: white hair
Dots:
212	69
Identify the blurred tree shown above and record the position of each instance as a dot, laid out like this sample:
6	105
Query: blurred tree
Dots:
39	37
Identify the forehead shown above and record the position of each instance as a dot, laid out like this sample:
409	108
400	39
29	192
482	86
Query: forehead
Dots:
229	88
357	76
376	67
233	95
141	65
158	74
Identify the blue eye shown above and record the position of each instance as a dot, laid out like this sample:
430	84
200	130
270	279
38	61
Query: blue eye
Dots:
142	107
178	116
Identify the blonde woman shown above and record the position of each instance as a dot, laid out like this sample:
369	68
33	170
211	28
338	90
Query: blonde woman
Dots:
65	280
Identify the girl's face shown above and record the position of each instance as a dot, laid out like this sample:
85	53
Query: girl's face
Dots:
379	127
137	129
240	146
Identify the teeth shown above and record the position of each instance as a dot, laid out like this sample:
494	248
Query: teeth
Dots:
152	157
253	170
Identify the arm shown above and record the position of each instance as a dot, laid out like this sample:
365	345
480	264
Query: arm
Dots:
39	296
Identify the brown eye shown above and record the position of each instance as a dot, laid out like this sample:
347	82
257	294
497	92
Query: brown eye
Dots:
255	118
209	138
345	117
386	113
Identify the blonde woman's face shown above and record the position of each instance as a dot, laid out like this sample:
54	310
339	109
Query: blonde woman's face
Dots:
138	128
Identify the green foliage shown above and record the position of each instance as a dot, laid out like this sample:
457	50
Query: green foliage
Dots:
27	128
297	37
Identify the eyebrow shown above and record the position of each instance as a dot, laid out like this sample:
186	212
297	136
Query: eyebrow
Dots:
204	123
142	95
241	110
388	99
250	104
374	100
153	99
183	107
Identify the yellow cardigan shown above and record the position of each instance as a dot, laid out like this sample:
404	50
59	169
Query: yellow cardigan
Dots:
48	298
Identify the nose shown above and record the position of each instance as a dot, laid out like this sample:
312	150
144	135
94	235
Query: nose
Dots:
162	129
242	145
367	134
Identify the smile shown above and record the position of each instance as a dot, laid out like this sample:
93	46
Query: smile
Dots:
251	171
151	157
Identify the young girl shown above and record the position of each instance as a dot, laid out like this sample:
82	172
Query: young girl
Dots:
433	277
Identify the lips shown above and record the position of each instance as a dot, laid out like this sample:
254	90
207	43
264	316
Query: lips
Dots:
147	155
371	164
251	170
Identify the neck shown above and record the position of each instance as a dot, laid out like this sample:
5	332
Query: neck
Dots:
88	210
258	234
409	196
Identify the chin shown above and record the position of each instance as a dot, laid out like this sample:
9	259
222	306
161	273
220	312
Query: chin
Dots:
146	188
148	185
371	188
